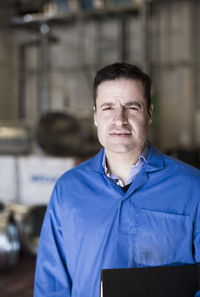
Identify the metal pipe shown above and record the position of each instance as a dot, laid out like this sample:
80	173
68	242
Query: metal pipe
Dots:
43	82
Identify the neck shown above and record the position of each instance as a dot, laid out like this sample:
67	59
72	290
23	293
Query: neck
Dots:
120	164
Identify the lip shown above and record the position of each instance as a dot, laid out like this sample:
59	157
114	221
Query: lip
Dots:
120	133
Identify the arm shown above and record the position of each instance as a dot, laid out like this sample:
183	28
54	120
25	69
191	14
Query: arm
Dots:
196	241
51	275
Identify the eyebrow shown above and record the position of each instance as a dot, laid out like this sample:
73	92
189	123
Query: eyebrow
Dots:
127	104
106	104
134	103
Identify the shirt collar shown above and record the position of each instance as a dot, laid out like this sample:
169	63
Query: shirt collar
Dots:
134	169
154	161
143	157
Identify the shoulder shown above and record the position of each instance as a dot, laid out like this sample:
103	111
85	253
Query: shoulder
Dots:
176	167
77	170
83	171
181	166
77	181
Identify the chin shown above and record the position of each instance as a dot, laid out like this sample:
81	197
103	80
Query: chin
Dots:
124	147
120	149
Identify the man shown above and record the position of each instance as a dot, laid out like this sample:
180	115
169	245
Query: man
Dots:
129	206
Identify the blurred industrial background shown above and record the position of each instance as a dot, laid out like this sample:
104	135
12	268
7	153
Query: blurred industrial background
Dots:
49	53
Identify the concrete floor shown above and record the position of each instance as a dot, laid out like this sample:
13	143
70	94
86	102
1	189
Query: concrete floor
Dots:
18	282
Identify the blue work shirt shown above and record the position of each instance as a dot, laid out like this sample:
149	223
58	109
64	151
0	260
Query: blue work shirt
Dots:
91	224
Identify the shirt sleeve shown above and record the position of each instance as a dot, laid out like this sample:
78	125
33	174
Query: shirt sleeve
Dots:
51	275
196	241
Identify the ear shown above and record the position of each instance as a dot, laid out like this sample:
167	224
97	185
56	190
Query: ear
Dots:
150	114
95	116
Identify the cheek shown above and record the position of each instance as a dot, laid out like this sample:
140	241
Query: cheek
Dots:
100	124
101	133
95	119
103	120
136	121
139	124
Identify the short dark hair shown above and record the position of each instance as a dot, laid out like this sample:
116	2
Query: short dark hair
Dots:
123	70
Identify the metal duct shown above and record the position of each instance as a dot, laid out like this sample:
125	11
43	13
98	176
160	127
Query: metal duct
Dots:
1	206
9	241
30	228
29	222
14	139
59	134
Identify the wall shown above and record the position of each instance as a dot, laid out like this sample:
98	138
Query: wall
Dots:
172	64
80	48
8	76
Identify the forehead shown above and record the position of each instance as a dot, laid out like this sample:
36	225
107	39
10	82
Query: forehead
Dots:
123	90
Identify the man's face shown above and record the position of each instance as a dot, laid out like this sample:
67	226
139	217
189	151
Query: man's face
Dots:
121	115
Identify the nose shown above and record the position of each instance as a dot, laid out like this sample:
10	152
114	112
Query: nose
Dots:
120	117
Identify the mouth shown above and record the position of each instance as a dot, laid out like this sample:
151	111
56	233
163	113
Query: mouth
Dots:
121	133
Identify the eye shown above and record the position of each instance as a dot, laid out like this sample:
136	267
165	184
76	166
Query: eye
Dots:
106	108
133	107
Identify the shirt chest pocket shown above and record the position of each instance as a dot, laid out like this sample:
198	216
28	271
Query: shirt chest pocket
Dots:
160	238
